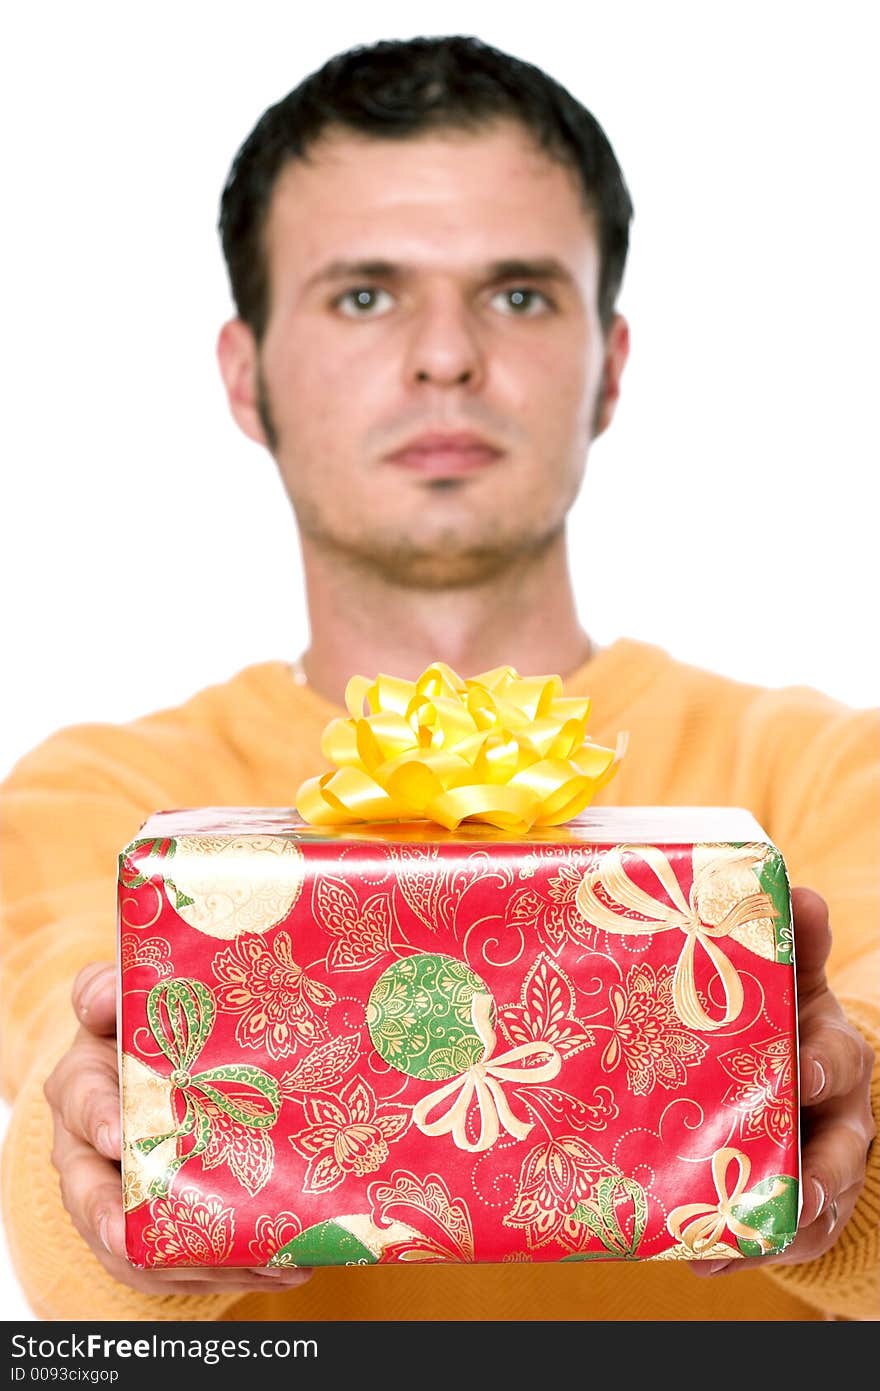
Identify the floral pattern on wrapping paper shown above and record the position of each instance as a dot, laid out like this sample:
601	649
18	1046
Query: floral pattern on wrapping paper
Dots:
274	997
551	1105
346	1136
189	1229
647	1035
555	917
555	1177
545	1012
433	892
423	1202
248	1153
617	1215
323	1068
428	889
763	1091
362	932
145	951
273	1230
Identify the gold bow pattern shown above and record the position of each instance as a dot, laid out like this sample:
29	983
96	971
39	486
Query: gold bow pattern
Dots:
699	919
498	748
700	1225
483	1079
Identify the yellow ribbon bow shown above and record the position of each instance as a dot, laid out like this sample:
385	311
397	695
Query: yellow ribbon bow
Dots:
685	915
499	748
700	1225
484	1079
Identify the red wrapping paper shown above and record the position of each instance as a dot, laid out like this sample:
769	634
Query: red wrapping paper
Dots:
395	1043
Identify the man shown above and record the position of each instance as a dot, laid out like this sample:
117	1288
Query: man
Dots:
425	243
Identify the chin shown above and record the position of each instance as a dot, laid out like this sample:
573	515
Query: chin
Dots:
442	572
449	564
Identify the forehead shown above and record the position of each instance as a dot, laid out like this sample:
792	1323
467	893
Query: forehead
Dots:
445	200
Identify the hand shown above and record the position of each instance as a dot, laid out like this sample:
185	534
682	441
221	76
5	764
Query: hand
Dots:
83	1092
837	1126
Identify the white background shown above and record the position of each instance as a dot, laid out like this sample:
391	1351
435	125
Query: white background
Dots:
730	514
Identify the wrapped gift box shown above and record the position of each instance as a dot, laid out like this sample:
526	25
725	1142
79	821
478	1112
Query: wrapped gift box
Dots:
394	1043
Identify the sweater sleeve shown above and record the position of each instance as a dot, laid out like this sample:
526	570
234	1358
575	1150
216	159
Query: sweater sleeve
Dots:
66	810
819	766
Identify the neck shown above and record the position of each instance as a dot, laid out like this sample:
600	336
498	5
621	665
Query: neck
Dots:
524	616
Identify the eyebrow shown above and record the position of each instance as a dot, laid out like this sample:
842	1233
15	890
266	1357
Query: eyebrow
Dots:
544	268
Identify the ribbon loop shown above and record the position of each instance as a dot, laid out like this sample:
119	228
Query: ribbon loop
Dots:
499	748
181	1016
653	915
181	1013
483	1080
700	1226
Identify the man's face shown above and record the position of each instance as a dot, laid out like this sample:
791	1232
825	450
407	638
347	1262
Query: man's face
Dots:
442	285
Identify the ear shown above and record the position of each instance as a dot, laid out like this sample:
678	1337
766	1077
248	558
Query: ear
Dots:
237	357
616	354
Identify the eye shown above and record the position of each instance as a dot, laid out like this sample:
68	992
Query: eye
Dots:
522	301
363	302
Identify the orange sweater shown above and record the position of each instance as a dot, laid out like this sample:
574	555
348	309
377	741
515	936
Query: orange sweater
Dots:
806	766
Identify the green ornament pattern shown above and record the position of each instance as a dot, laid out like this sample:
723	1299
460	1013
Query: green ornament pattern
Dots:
775	1217
774	881
420	1016
327	1243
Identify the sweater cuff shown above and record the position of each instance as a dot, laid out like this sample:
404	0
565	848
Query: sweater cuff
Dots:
845	1281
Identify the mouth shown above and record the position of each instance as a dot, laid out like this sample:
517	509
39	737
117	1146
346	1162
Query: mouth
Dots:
445	455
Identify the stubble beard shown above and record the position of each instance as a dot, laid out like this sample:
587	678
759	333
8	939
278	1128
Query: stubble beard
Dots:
402	561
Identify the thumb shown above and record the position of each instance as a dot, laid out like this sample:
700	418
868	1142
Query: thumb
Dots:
812	940
94	997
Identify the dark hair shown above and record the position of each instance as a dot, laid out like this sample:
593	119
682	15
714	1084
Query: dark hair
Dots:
399	88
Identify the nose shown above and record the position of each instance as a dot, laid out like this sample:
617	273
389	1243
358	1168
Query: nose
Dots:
444	347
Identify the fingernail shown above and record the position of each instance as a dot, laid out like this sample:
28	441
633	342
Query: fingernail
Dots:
85	990
713	1267
821	1196
92	991
273	1273
818	1083
104	1141
104	1231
